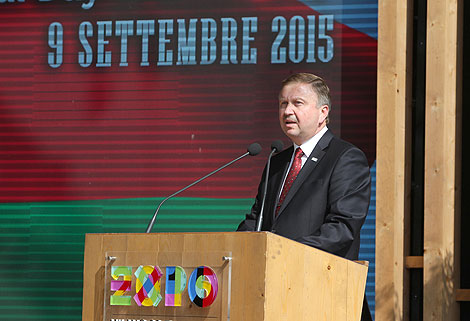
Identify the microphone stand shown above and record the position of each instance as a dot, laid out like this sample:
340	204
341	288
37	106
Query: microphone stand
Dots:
276	146
253	150
259	221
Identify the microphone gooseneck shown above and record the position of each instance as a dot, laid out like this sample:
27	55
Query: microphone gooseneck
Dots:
253	150
276	146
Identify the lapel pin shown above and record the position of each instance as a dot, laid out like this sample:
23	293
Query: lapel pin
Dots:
314	159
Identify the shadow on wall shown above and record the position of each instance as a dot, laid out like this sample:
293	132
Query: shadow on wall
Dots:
440	281
385	295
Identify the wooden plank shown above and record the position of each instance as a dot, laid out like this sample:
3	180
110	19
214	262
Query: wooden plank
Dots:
93	276
414	262
393	158
463	295
356	280
247	250
366	263
442	160
305	284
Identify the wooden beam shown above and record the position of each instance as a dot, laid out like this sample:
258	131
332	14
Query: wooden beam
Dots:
393	157
463	295
414	262
442	160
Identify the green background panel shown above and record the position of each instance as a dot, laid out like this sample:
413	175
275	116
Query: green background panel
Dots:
42	244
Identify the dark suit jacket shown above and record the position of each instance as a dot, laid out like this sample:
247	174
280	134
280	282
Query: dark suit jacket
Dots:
327	203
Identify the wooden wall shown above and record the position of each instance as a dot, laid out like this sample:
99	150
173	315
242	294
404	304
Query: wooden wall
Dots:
440	261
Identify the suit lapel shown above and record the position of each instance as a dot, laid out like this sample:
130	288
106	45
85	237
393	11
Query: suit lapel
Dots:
313	159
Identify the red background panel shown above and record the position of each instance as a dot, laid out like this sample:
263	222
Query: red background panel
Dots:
72	133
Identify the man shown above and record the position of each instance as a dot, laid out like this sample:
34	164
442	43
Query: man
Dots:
319	189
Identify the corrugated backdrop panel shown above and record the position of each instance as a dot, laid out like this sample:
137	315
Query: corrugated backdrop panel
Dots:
90	145
73	132
367	249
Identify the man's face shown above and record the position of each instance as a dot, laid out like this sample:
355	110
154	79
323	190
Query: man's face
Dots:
299	116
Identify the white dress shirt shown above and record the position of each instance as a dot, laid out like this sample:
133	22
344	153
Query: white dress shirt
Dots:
307	148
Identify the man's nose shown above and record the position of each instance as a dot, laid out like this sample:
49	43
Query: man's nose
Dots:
289	109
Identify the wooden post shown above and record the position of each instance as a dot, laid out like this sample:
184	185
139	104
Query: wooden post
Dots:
442	160
393	158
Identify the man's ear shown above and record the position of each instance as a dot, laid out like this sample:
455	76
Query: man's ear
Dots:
324	110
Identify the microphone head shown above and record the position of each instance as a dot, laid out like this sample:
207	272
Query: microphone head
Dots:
277	146
254	149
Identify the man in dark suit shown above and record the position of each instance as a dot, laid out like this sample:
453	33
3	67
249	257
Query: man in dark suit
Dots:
319	189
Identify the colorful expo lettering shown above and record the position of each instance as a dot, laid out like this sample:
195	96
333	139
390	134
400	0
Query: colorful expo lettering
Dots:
202	286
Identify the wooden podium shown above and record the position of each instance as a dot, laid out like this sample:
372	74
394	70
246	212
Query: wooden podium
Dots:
263	277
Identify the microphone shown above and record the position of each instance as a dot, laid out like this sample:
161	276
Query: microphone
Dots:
276	146
253	150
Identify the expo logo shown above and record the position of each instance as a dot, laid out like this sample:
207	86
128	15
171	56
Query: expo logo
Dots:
202	285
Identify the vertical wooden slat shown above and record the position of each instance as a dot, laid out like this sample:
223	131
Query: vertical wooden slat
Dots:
393	155
442	160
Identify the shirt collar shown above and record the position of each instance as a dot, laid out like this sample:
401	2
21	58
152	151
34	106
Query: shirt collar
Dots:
310	144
